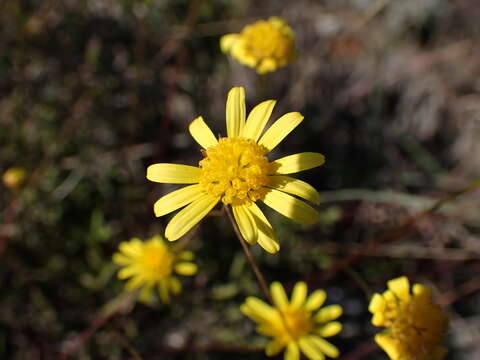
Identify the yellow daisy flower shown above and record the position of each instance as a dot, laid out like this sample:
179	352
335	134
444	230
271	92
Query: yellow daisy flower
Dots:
14	177
236	171
415	325
265	45
297	325
151	264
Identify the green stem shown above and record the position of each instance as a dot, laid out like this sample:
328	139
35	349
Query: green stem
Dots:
248	254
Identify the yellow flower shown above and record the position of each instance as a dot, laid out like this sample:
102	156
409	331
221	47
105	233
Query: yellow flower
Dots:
14	177
151	264
236	171
415	325
296	325
265	45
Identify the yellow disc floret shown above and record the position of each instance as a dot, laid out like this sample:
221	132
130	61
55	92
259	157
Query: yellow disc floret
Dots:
151	264
264	45
157	261
236	170
294	324
418	325
298	325
415	326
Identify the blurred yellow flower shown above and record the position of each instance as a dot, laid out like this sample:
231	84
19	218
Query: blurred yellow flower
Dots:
265	45
151	264
415	326
236	171
298	325
14	177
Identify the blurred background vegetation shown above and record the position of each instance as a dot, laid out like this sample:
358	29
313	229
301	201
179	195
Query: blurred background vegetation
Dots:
94	91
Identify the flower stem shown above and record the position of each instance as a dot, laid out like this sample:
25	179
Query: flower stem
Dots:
248	254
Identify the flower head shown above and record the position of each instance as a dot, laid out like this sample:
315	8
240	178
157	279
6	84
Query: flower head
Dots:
415	326
265	45
298	324
152	264
236	171
14	177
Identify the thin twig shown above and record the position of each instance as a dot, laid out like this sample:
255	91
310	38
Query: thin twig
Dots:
125	343
402	230
122	306
371	12
466	288
256	270
357	278
406	250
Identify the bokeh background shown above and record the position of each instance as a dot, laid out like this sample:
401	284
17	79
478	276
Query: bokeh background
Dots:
94	91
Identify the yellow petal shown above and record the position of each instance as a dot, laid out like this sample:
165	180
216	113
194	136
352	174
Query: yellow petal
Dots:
389	296
280	129
258	309
266	65
175	285
274	347
422	290
324	346
134	283
173	173
202	133
378	319
131	248
127	272
145	295
188	217
400	287
235	111
299	295
227	41
177	199
377	304
121	259
309	349
248	311
158	239
315	300
292	352
291	207
186	255
163	291
295	187
246	223
388	344
257	119
330	329
328	313
266	237
186	268
298	162
278	295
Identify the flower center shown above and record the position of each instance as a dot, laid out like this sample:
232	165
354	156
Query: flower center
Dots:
236	170
265	40
157	261
295	324
418	325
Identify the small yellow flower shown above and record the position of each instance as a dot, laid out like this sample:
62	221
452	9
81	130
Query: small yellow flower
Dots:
296	325
415	326
151	264
14	177
236	171
265	45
